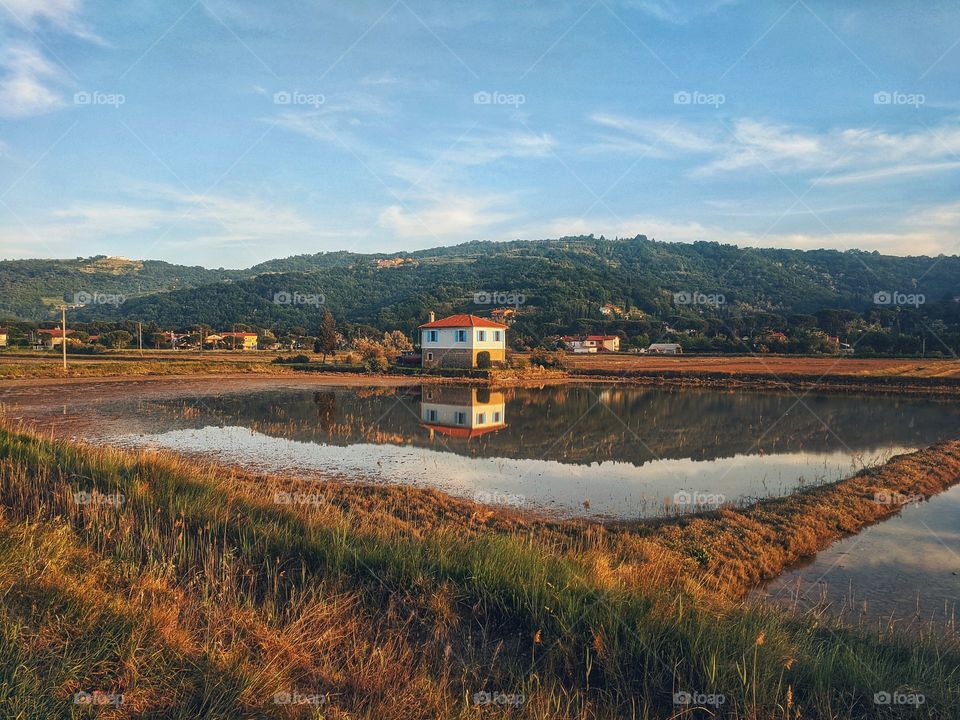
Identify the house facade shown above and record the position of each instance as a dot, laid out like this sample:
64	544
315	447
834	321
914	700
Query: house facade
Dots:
53	338
239	340
665	349
592	343
3	338
458	340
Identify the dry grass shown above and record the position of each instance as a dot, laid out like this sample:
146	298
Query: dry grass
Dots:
200	596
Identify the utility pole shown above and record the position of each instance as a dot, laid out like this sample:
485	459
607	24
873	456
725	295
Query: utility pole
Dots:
63	328
140	337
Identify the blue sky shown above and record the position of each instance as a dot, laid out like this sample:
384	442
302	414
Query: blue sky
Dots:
226	133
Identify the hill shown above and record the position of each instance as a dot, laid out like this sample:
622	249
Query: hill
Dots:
557	286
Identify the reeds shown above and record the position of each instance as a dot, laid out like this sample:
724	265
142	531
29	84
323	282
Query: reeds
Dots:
192	593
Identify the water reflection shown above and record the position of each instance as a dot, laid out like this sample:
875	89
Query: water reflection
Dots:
622	451
462	412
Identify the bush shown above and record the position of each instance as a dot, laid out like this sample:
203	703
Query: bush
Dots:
483	360
376	363
544	359
292	360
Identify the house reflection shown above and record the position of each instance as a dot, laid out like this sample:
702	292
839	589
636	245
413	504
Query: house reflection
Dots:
461	412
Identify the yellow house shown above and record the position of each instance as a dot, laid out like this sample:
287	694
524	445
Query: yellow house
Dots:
240	340
3	337
458	340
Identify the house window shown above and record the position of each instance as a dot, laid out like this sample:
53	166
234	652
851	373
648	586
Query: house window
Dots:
460	418
433	335
496	417
461	335
431	416
429	356
482	335
481	418
497	335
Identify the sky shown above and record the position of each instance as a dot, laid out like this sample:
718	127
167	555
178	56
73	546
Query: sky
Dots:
227	132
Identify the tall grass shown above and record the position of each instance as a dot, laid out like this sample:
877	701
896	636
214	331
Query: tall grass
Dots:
198	596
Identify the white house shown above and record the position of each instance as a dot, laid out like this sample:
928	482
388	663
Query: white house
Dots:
665	349
458	340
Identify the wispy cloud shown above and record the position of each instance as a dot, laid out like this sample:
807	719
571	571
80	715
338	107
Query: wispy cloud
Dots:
448	217
843	156
29	83
63	15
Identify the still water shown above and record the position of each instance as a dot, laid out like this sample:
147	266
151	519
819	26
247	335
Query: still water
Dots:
573	450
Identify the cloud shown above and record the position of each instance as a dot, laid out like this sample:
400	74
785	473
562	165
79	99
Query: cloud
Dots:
27	83
64	15
447	217
840	156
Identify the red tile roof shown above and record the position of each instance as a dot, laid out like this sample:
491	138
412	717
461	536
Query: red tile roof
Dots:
464	320
54	333
462	432
602	337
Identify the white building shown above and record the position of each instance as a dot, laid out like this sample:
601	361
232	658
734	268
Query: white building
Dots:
458	340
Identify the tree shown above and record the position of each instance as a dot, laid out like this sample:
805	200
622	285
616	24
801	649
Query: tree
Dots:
326	343
394	343
116	339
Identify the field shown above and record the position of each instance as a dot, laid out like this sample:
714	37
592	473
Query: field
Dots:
772	365
159	588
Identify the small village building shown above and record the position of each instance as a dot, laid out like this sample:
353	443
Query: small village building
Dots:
53	338
458	340
592	343
665	349
240	340
3	338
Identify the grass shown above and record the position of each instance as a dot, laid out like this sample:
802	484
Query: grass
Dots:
131	368
199	596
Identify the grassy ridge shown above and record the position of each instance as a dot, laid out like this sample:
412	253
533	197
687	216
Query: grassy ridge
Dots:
199	596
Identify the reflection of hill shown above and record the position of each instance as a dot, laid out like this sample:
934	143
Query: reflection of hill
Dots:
585	424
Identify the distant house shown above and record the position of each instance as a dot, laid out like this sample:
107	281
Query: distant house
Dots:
777	337
503	315
665	349
3	337
609	309
241	340
592	343
53	338
458	340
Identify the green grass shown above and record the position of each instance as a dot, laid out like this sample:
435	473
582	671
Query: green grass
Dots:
248	598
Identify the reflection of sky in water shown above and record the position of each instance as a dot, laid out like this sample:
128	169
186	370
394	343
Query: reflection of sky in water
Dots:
889	568
616	489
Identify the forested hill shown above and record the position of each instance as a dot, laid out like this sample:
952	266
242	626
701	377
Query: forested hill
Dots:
561	281
29	288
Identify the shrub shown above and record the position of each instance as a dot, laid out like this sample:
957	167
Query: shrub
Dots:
544	359
483	360
292	360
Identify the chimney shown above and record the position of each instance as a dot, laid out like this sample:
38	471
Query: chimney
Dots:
433	316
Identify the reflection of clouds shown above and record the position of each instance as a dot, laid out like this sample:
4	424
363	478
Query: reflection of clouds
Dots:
617	489
895	565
